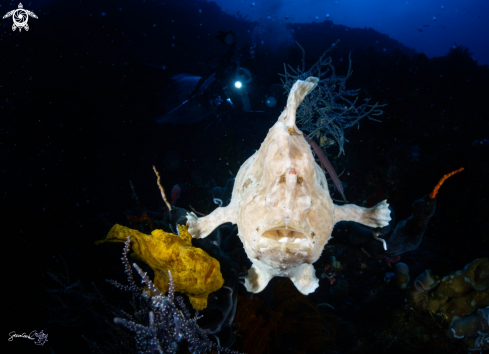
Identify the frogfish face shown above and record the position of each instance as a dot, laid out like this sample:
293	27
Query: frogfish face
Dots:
278	225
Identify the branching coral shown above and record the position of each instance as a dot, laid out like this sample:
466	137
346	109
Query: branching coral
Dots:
329	109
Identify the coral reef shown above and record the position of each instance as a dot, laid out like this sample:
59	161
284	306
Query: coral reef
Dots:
407	234
291	318
460	299
461	293
139	320
421	286
331	108
474	328
169	324
195	272
402	275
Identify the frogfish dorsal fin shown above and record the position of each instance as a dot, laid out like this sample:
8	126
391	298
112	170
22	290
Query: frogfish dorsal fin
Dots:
296	96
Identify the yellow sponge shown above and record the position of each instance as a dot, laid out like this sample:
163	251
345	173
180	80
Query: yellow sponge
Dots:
194	272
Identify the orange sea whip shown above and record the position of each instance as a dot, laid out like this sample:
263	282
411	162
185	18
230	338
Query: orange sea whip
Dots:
438	185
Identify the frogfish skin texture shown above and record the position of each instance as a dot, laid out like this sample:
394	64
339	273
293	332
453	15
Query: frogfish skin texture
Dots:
282	206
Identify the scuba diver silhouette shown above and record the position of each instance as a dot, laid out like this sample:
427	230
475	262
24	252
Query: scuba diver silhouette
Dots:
192	98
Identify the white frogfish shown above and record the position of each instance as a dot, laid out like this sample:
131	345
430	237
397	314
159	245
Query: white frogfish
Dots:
282	206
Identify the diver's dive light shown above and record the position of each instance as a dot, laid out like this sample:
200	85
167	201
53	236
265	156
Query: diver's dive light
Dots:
243	76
